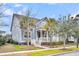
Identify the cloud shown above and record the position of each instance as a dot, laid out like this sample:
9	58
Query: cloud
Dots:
8	12
22	12
19	12
17	5
75	13
51	3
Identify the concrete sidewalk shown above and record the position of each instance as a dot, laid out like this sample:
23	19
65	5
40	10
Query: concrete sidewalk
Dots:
8	53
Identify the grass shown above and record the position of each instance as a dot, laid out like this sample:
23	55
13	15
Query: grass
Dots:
45	52
24	47
12	48
48	52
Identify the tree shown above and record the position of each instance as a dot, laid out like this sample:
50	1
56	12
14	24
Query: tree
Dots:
69	27
76	30
73	25
64	28
51	27
27	23
2	10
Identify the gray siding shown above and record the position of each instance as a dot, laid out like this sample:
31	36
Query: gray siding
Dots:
16	31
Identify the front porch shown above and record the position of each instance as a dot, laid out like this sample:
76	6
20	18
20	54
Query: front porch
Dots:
41	35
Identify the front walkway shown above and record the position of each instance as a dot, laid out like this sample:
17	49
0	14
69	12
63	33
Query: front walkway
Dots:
9	53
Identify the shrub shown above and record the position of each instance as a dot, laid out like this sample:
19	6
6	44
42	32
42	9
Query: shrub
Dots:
57	43
2	41
12	41
52	43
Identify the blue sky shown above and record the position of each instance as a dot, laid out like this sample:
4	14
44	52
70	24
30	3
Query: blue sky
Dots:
41	10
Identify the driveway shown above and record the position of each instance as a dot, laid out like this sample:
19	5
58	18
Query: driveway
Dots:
76	53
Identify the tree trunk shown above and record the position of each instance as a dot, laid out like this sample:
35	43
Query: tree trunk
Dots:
28	30
28	37
22	35
47	37
50	41
77	42
64	43
65	40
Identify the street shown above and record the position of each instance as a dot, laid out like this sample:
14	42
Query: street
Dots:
76	53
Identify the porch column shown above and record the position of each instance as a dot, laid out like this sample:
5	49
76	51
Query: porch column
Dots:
47	36
36	36
31	36
41	36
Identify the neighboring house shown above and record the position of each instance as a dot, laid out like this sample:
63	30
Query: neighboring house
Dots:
2	32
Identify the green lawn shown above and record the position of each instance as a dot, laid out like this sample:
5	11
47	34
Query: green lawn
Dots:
48	52
25	47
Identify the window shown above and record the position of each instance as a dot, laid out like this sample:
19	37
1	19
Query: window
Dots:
25	35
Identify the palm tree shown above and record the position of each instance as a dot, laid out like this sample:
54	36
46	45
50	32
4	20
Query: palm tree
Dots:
51	27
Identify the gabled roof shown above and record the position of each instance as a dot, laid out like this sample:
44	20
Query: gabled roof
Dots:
40	24
20	18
